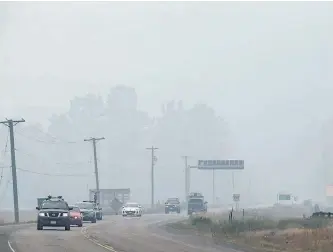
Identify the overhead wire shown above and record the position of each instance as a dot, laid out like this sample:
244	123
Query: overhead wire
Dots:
57	163
54	174
3	193
3	156
55	140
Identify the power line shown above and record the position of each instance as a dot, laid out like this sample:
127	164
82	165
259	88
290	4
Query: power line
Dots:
4	192
57	163
56	140
3	156
54	175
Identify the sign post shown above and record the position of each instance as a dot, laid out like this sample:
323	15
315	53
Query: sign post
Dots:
228	164
236	198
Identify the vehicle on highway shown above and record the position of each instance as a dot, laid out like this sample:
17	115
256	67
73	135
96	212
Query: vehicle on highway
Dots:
76	216
88	211
97	208
132	209
172	205
196	204
54	212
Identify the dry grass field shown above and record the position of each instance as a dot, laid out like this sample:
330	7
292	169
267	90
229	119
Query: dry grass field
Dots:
289	240
25	216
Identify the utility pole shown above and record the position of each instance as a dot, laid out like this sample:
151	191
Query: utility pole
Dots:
152	173
11	124
233	181
94	140
187	177
213	186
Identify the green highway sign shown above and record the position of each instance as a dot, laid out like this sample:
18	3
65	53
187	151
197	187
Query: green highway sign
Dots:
229	164
284	197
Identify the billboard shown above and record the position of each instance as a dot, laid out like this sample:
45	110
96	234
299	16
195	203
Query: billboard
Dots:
228	164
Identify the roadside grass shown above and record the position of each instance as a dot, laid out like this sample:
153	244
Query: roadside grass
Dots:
254	233
2	223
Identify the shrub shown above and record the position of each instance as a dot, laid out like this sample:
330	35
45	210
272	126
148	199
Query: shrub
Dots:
310	223
200	220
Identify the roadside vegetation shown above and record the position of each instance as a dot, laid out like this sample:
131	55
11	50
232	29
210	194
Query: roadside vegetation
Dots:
253	233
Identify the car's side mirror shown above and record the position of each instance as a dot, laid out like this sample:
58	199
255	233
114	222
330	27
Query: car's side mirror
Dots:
37	208
70	208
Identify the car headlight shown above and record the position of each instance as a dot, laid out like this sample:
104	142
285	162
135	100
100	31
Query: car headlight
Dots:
64	214
41	214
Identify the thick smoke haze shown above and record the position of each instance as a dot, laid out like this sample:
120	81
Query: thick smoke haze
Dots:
211	80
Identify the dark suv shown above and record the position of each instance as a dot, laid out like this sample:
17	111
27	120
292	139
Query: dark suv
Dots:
172	205
54	212
88	211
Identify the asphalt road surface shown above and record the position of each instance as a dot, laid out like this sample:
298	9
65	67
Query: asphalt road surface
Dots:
114	233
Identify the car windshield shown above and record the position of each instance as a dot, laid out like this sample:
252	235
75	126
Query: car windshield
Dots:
54	205
85	205
173	201
75	209
195	201
132	205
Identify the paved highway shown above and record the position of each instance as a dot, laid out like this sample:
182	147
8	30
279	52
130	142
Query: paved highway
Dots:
114	233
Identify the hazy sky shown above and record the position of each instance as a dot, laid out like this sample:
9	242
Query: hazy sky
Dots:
264	66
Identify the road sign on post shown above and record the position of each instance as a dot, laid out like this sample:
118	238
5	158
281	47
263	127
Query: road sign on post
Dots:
236	197
229	164
283	197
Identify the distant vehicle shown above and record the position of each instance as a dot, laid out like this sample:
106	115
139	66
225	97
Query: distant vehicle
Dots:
40	201
88	211
76	216
172	205
132	209
97	208
54	212
196	204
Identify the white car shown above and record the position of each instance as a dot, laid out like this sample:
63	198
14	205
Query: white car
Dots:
132	209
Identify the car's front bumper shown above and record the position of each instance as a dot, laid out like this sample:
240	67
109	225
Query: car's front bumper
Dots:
77	221
88	218
131	213
53	222
172	209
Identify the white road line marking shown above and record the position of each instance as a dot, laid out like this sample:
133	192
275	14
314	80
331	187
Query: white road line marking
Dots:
84	233
10	246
